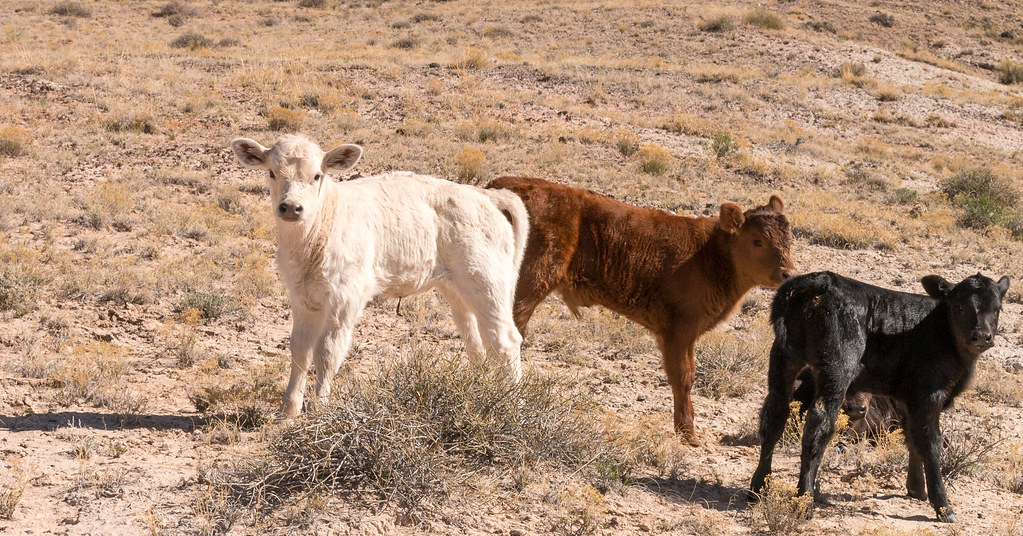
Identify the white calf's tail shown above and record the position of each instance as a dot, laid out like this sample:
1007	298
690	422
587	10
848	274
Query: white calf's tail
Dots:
511	206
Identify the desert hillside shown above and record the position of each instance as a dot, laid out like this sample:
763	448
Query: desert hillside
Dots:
144	329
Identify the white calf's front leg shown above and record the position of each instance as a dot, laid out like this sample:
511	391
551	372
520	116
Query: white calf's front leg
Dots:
304	332
334	343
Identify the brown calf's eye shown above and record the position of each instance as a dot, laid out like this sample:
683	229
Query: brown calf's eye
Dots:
758	243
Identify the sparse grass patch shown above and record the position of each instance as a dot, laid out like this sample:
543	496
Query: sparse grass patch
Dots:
312	3
654	159
731	364
985	198
720	23
91	372
20	289
13	140
966	452
419	428
683	123
282	119
762	18
843	232
71	9
1010	72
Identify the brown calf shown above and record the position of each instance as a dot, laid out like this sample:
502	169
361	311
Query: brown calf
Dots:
676	276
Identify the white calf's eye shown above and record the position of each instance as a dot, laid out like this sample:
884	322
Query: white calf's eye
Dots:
272	176
317	177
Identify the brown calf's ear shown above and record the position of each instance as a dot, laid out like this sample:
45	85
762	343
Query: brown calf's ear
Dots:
1003	286
936	286
341	158
777	204
731	218
250	153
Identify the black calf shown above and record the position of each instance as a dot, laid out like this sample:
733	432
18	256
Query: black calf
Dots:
918	350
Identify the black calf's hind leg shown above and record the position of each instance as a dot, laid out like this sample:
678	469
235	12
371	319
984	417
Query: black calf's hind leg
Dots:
820	426
915	477
773	414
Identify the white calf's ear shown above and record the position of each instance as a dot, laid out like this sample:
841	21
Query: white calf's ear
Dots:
250	153
731	218
341	158
936	286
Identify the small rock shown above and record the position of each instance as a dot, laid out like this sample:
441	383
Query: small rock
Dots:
640	398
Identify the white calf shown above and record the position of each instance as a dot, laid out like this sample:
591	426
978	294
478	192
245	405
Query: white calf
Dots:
396	234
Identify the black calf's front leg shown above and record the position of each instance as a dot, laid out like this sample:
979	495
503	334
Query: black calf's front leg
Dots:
926	438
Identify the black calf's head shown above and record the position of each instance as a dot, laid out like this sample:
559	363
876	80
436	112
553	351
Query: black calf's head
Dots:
973	307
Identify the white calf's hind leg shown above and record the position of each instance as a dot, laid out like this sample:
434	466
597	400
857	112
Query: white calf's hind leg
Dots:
304	332
334	343
493	311
465	321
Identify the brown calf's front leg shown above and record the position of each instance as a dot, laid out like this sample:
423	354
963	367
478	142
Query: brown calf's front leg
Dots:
679	354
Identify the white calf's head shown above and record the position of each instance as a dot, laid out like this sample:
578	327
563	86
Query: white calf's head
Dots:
298	170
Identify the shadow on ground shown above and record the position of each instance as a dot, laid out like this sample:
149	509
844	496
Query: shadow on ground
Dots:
101	421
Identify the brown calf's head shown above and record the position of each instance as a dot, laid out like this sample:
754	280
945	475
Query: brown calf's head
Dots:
761	242
296	172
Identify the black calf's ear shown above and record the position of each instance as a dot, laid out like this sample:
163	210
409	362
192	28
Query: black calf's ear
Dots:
936	286
731	218
1003	286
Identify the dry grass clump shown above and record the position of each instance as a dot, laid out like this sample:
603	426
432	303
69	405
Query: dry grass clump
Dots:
996	384
762	18
843	232
71	9
93	372
17	478
1010	72
627	142
470	164
985	198
13	140
654	159
281	118
731	364
720	23
886	92
20	289
471	58
780	508
312	3
131	121
419	429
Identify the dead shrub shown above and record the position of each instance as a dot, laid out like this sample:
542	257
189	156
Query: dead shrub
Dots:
420	428
730	364
720	23
1010	72
762	18
780	508
193	41
71	9
280	118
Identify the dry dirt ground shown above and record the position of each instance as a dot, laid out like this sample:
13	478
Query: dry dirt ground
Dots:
136	255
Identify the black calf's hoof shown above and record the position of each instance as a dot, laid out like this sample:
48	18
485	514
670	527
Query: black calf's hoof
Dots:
946	515
752	497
